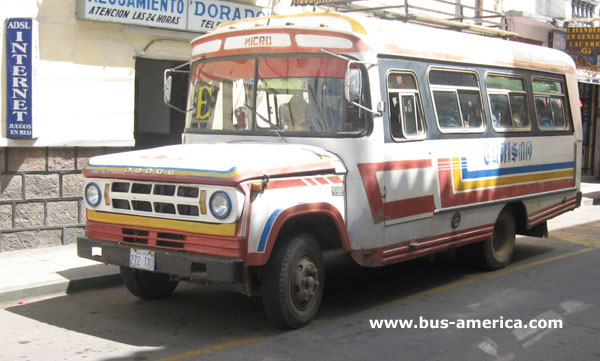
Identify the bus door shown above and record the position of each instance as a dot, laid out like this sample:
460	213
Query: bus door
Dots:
409	175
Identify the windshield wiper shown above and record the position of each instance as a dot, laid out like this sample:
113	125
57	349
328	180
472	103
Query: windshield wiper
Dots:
275	128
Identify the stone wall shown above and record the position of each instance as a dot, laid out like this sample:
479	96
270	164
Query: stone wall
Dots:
41	195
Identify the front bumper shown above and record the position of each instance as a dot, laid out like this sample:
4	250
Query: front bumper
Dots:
212	269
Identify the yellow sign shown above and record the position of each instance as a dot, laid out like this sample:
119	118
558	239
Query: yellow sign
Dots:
583	40
204	99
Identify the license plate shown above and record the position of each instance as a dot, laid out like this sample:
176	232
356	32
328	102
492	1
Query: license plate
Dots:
141	259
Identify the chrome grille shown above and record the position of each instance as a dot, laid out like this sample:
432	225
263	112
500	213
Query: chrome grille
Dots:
159	199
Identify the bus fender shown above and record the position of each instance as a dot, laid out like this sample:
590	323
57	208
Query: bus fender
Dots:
280	217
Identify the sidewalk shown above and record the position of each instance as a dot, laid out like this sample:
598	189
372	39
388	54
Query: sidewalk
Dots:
44	271
57	270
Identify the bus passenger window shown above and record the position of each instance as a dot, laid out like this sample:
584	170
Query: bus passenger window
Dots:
470	106
508	102
501	117
395	125
406	119
542	110
520	111
558	113
457	100
446	109
550	102
412	126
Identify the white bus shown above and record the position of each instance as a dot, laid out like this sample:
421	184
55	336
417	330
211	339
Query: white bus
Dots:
318	131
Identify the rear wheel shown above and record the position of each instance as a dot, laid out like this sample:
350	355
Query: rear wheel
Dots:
147	285
496	252
293	282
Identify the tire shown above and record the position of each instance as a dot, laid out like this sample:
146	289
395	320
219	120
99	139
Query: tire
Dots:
147	285
496	252
293	282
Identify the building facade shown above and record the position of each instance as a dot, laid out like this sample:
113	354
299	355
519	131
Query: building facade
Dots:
81	78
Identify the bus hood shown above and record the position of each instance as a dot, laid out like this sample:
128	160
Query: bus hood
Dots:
222	163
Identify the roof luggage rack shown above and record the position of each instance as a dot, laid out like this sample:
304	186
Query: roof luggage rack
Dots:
465	18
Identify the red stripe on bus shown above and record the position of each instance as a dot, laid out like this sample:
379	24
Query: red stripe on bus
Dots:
550	212
286	183
368	173
311	181
234	247
322	181
408	207
416	248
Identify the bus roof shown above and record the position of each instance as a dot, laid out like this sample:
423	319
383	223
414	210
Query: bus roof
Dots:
397	38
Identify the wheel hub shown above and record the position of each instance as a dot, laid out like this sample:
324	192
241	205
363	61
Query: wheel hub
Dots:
306	282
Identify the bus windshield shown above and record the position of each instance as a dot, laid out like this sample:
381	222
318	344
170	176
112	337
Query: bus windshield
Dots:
301	96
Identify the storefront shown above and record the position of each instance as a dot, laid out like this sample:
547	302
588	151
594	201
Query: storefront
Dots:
585	54
81	78
547	31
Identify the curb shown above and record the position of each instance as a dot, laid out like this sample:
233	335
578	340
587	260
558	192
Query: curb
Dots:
59	287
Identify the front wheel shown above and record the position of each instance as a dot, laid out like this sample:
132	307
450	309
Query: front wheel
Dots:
293	282
147	285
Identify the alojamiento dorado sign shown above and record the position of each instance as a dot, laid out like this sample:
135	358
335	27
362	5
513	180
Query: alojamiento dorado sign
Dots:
186	15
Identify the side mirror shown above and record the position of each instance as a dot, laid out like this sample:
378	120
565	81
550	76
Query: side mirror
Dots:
168	84
168	81
352	84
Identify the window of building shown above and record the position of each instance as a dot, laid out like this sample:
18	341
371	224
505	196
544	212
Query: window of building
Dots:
457	101
549	98
508	102
406	115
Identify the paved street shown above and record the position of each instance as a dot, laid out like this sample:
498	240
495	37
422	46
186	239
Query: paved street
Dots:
550	279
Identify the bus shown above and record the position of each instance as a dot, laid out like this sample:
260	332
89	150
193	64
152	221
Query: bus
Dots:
312	132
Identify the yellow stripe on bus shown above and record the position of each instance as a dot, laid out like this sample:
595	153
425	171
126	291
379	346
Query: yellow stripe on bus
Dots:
227	229
460	185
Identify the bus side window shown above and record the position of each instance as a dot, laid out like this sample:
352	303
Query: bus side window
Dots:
471	109
446	109
406	116
558	114
395	126
410	115
550	102
542	111
520	110
501	117
508	102
457	100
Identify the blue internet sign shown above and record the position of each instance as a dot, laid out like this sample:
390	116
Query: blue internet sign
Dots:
19	79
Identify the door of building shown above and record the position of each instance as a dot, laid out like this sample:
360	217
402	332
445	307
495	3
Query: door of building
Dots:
155	123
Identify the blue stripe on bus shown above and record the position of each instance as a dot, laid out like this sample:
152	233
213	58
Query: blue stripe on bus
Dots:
498	172
262	245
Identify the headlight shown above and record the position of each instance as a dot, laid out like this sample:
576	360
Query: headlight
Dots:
92	194
220	205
